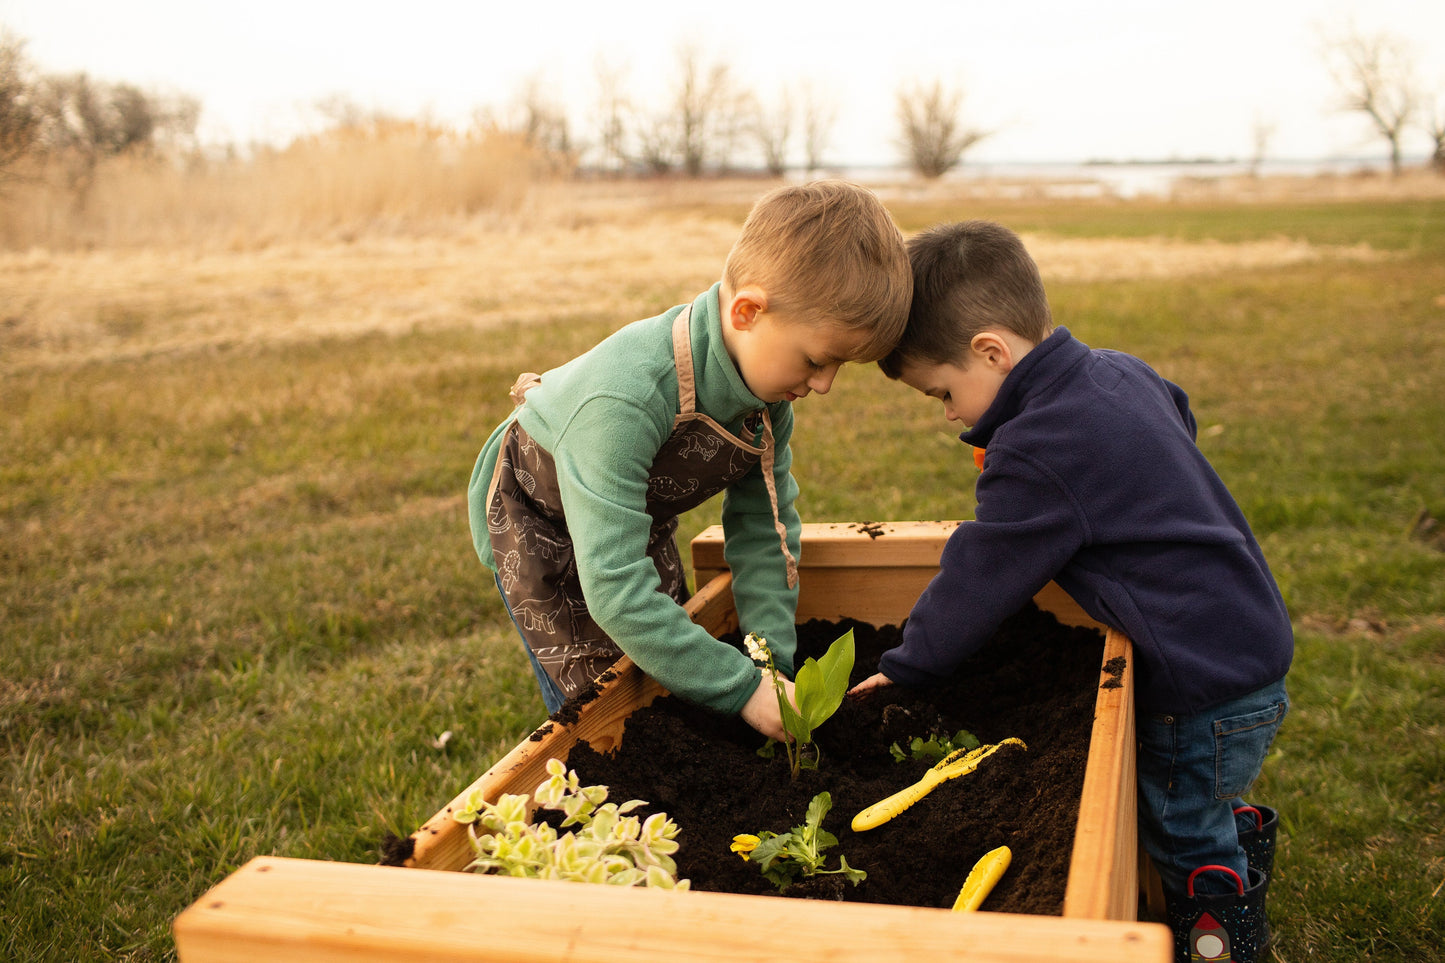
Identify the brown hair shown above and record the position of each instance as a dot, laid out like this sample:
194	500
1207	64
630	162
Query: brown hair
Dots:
827	251
968	277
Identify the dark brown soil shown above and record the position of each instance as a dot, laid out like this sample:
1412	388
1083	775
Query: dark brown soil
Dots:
1036	681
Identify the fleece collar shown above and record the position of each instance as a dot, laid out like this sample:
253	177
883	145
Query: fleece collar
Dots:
1038	369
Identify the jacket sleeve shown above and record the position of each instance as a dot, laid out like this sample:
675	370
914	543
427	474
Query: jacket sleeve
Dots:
604	497
1026	528
765	603
1181	401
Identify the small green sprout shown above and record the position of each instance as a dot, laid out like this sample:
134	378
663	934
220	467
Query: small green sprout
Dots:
784	858
935	747
819	689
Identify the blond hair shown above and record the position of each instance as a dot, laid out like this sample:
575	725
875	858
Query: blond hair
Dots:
827	251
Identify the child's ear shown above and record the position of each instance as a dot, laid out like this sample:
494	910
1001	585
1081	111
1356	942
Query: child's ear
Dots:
745	306
992	350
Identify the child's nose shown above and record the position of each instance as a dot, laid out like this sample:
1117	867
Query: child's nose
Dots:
823	380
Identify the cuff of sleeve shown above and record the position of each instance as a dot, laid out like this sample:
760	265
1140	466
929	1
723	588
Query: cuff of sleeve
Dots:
903	674
740	696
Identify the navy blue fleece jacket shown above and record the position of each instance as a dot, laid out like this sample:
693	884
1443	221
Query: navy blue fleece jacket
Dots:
1092	479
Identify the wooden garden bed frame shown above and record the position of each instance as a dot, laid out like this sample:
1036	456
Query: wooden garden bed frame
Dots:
290	909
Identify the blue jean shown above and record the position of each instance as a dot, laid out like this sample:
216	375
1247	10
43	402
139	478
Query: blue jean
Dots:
1192	772
552	695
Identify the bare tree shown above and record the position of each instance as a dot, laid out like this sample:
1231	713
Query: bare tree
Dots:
78	126
1263	132
134	118
657	140
149	121
820	113
82	121
613	110
542	121
72	114
700	123
1435	127
535	118
340	112
1375	73
19	120
709	109
772	127
178	118
932	133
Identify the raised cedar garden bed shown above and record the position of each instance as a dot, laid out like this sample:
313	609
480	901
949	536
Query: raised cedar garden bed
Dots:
1078	905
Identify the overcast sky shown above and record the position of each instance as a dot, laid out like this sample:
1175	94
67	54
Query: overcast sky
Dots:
1054	79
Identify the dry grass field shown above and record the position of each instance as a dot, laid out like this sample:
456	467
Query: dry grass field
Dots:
566	249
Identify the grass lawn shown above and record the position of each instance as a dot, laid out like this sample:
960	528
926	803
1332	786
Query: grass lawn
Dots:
239	604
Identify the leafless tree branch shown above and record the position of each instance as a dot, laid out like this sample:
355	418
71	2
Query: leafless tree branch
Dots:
1375	74
933	134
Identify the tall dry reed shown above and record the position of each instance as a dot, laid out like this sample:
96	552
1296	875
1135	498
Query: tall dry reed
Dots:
399	176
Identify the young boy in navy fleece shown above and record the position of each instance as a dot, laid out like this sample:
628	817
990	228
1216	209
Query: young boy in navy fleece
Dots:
1092	478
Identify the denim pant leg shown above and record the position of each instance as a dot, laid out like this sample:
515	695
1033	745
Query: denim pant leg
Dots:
552	695
1192	771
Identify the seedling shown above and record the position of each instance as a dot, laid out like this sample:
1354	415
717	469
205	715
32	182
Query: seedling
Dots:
787	857
935	747
819	689
608	846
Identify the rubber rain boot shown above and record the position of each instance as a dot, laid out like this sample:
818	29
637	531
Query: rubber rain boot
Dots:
1258	826
1219	928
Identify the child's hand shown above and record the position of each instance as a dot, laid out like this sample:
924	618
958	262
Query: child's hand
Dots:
761	711
875	681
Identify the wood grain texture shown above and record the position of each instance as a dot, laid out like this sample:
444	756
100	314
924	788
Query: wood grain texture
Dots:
283	910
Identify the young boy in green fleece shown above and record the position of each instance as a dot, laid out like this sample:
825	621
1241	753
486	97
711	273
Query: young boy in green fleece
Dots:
575	497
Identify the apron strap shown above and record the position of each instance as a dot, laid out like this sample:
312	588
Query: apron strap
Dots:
525	382
682	354
687	403
768	448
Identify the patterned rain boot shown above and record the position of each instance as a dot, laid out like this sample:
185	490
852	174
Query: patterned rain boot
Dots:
1213	928
1258	826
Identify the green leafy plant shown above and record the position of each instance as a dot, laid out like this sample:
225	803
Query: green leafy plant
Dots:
608	845
785	858
935	747
819	690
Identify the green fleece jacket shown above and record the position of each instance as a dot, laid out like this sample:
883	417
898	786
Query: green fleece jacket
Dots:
603	416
